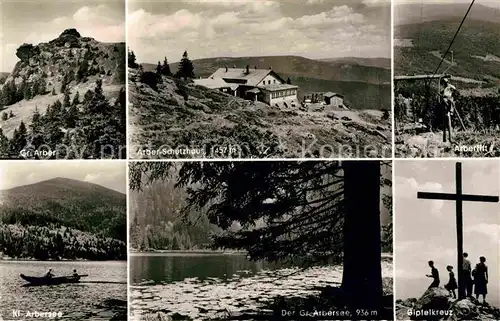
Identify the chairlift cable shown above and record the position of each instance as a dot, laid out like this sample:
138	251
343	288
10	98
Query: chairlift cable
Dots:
454	37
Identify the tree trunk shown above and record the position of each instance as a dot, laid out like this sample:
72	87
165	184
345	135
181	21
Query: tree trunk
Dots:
362	273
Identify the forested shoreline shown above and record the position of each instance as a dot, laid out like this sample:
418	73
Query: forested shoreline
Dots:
158	223
58	243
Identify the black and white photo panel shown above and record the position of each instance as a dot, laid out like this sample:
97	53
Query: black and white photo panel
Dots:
259	79
447	232
268	240
62	79
63	240
446	78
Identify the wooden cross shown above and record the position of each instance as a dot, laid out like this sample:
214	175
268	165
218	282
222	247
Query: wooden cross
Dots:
458	197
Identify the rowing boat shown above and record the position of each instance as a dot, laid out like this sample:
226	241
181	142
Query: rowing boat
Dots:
34	280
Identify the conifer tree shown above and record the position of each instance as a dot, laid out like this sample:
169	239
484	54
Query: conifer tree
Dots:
132	63
165	69
186	68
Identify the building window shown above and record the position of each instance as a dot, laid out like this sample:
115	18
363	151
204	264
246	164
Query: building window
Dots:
269	82
274	81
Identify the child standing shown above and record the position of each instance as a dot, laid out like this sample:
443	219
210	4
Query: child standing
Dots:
452	283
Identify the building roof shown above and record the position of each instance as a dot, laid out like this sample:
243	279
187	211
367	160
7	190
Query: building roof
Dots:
330	94
278	87
253	91
233	86
212	83
253	78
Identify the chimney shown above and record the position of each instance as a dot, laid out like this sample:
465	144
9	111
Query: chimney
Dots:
226	68
248	69
270	68
255	67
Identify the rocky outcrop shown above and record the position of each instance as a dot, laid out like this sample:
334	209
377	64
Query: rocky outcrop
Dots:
436	304
70	33
26	51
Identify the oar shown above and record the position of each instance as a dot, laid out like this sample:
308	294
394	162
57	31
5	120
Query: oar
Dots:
108	282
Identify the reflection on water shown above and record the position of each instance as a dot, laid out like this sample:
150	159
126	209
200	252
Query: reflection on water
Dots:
75	301
208	286
171	268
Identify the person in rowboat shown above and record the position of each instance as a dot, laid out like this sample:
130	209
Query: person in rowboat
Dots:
49	274
75	274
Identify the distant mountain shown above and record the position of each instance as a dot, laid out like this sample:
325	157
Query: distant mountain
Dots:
384	63
417	13
292	66
75	204
476	50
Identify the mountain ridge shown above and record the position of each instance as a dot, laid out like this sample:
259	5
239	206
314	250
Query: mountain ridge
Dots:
64	180
437	12
291	65
66	202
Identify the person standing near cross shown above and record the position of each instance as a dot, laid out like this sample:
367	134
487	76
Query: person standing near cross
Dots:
466	275
459	198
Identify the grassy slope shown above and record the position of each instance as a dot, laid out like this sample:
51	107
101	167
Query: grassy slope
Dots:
475	38
88	207
23	110
211	118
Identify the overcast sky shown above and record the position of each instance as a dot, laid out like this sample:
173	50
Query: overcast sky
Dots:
426	229
231	28
35	21
110	174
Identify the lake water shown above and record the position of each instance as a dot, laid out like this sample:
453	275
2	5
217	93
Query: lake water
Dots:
204	286
81	301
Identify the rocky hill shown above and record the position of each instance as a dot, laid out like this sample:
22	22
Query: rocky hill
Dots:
59	70
167	114
439	299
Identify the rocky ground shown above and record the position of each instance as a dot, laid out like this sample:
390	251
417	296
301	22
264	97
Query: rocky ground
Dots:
430	144
242	294
440	299
182	114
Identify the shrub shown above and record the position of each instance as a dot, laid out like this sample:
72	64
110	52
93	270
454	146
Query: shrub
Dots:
149	78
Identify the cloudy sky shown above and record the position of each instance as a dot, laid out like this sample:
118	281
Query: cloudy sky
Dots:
35	21
426	229
215	28
110	174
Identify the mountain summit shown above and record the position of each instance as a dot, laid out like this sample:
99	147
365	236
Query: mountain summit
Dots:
68	91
